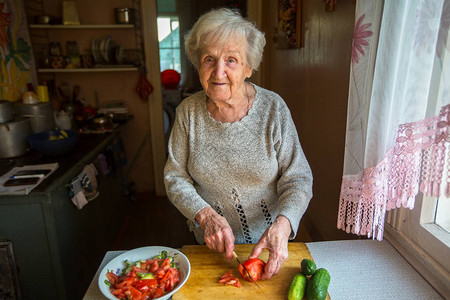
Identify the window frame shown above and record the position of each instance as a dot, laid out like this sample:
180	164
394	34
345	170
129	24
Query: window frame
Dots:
172	15
414	233
419	243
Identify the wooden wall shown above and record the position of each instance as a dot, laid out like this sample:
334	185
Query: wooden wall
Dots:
314	81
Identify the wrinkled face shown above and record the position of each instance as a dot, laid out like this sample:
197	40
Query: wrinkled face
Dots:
223	70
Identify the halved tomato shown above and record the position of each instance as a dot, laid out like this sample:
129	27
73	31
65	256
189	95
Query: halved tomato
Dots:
255	268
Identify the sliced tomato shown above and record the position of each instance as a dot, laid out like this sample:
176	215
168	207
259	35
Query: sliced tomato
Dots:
131	287
135	294
138	270
229	279
112	278
118	293
153	266
255	268
145	295
165	265
146	284
158	293
129	280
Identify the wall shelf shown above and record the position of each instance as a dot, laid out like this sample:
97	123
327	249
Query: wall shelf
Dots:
93	26
88	70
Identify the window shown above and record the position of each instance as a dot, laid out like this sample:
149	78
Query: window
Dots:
422	235
441	210
169	43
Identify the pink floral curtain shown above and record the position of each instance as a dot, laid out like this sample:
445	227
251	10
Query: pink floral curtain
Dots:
397	138
16	57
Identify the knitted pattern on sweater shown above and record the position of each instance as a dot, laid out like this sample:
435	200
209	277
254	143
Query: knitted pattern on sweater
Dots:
249	171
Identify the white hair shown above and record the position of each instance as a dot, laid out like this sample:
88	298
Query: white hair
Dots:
220	26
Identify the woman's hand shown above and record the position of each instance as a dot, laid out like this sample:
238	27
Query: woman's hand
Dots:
275	240
218	234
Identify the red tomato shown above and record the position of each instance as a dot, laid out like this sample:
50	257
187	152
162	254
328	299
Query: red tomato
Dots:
153	266
158	293
113	278
254	266
146	284
229	279
135	294
138	270
131	287
165	265
118	293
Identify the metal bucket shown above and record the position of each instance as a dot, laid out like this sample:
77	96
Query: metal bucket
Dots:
6	111
13	137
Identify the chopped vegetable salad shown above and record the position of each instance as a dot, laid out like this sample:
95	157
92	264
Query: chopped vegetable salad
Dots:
145	279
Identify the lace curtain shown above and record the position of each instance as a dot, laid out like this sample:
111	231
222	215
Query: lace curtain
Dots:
396	140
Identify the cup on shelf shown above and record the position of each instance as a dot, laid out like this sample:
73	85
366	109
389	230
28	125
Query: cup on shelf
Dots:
42	93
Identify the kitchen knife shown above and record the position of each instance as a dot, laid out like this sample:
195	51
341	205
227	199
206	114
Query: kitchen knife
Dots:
246	270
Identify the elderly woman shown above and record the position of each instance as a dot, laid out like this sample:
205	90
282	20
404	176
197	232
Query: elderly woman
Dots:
235	167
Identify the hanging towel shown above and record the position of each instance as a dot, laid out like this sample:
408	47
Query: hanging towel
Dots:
83	188
76	193
89	182
104	166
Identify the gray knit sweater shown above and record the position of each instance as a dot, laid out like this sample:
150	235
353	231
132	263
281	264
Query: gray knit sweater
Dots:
248	171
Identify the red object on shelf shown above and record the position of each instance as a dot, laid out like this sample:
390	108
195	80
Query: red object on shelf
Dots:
170	78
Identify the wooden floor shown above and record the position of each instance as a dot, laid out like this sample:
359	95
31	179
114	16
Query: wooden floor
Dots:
154	221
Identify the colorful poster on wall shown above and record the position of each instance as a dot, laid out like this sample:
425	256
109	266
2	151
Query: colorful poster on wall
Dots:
16	57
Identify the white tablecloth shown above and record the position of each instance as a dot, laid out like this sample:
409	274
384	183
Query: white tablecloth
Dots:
368	269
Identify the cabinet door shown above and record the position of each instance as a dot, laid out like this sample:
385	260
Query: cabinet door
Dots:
24	226
84	236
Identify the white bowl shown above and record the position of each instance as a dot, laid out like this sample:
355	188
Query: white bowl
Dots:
117	264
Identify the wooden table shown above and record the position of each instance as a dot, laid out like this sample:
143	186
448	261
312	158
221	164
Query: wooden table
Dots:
207	266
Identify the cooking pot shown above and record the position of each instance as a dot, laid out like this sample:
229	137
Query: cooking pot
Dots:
100	122
6	111
13	137
40	115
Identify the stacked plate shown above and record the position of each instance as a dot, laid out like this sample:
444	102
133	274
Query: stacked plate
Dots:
106	51
96	51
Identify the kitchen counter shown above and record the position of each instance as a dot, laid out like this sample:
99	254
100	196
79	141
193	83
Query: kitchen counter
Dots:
71	164
56	245
359	269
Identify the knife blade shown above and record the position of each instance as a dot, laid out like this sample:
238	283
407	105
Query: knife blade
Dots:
246	270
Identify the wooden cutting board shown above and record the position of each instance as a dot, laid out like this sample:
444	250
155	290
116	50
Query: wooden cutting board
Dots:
207	266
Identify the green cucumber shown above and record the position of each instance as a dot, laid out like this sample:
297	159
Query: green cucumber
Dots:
298	287
147	276
308	266
317	288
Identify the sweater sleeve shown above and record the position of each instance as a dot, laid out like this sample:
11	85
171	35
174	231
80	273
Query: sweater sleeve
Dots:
295	183
179	184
